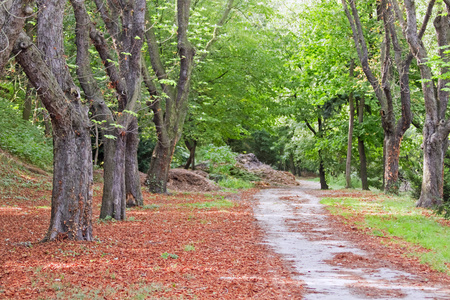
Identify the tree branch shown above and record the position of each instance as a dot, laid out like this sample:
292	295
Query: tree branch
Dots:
310	127
219	24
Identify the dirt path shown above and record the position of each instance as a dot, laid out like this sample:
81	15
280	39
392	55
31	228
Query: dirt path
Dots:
297	227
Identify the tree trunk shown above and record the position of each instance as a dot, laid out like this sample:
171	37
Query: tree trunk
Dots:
433	168
158	173
114	199
361	148
121	176
132	177
351	116
363	164
291	164
392	145
322	177
191	160
71	215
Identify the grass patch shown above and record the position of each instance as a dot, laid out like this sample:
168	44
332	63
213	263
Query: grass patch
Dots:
23	139
220	203
235	183
398	217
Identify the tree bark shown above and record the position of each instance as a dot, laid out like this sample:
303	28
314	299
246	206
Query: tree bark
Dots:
158	172
361	148
114	195
12	20
169	120
71	214
351	116
322	175
132	177
192	146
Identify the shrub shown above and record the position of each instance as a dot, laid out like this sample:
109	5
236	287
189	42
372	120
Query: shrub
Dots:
221	159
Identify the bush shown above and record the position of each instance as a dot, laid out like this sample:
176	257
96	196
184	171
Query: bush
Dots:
221	159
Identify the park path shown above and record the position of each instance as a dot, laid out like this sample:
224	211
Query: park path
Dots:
297	226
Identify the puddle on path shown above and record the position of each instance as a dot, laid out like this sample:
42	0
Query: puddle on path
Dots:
280	210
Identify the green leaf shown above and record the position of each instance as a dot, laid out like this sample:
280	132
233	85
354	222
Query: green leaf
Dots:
130	112
110	137
168	82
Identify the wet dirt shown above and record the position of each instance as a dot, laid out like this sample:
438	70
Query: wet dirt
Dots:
299	228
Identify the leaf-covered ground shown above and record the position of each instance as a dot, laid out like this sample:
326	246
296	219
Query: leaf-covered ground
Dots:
184	246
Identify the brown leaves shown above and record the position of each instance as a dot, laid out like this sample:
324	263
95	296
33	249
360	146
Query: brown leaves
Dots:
225	258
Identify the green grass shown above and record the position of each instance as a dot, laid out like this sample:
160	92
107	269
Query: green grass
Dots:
398	217
23	139
220	203
235	183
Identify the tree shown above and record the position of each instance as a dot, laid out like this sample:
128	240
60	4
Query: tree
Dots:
321	81
173	94
361	146
393	129
234	90
71	215
436	93
351	117
121	179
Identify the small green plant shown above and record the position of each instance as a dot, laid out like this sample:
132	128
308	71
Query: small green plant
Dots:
150	206
167	255
106	220
189	247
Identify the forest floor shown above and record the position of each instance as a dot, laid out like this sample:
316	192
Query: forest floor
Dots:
184	246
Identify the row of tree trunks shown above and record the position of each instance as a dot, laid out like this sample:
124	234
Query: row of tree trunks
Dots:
120	130
393	129
436	128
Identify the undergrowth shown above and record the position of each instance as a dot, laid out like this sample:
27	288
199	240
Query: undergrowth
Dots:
398	218
23	139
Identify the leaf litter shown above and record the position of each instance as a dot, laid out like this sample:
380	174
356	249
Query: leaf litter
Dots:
165	250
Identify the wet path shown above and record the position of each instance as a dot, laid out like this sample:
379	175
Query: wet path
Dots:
281	212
